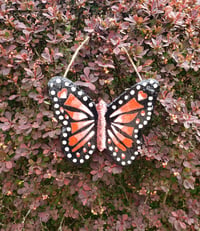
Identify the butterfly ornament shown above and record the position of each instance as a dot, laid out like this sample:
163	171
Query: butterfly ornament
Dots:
114	127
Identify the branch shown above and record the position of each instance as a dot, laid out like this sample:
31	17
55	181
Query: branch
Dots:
24	219
75	54
135	68
61	223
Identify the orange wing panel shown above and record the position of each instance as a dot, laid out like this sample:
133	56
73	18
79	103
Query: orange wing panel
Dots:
72	101
76	115
129	106
125	118
126	129
116	142
126	141
84	141
73	140
75	126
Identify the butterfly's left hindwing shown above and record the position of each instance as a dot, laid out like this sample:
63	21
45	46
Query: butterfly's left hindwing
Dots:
126	117
78	116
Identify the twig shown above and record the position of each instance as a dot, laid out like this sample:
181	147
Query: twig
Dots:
165	197
61	223
135	68
24	219
124	193
2	224
75	54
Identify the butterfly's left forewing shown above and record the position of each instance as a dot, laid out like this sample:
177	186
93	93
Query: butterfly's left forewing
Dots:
77	114
126	117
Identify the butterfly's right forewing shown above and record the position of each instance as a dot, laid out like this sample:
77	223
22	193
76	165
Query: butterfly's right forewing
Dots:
78	115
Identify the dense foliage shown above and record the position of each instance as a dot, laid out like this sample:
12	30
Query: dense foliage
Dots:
40	190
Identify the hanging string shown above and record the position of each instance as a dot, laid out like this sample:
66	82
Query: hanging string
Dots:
83	43
75	54
135	68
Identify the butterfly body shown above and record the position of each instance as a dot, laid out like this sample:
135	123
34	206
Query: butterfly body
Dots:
115	127
101	125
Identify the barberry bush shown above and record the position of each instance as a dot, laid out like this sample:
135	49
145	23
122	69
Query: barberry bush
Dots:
40	189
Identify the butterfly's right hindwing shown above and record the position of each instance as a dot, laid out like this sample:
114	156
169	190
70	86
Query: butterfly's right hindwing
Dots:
77	114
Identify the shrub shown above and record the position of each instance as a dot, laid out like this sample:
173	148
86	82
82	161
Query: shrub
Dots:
40	189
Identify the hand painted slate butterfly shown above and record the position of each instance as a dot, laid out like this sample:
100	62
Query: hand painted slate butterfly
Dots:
115	127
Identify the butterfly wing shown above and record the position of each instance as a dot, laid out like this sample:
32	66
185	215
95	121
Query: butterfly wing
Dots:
77	114
126	117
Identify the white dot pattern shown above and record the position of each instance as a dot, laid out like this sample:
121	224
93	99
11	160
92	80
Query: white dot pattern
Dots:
53	92
74	160
155	85
132	92
56	105
73	89
85	98
65	122
91	104
140	126
150	108
68	129
69	155
60	117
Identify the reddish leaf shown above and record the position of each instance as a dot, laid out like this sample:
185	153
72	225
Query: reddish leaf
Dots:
86	187
9	164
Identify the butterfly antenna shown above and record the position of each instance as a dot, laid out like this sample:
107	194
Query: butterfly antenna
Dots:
133	64
74	55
